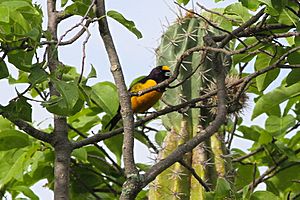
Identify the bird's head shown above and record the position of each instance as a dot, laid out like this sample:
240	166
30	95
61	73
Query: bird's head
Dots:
160	73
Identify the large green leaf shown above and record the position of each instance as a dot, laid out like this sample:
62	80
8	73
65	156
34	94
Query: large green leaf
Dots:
270	9
26	191
293	77
18	109
250	133
125	22
37	75
78	8
239	11
287	17
272	99
278	125
264	80
60	106
70	101
10	139
250	4
263	195
16	170
80	154
21	59
244	175
4	14
223	189
68	91
105	96
114	144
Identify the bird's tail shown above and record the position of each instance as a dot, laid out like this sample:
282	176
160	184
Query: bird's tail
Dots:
113	122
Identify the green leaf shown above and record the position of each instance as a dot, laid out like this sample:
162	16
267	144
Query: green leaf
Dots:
16	170
15	5
184	2
4	14
69	92
59	106
250	133
222	189
279	4
10	139
238	10
78	8
263	195
105	96
127	23
287	17
3	69
37	75
160	136
264	80
26	191
294	58
265	138
114	144
63	3
274	98
270	9
5	124
244	175
143	167
20	19
293	77
70	101
80	154
252	5
290	104
18	109
21	59
245	57
278	125
93	73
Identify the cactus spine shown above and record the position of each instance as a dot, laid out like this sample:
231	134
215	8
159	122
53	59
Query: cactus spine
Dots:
177	182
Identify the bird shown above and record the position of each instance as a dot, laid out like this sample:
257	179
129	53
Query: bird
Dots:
140	104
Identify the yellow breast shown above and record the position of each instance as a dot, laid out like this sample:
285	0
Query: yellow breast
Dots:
142	103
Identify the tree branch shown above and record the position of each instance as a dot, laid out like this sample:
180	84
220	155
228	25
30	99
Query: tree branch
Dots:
241	28
30	130
60	141
177	154
194	173
124	96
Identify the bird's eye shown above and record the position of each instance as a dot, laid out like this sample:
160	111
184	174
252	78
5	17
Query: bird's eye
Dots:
168	74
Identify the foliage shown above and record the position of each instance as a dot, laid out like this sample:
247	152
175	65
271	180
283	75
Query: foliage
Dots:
265	58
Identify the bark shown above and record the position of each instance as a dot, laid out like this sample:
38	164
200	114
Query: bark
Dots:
60	140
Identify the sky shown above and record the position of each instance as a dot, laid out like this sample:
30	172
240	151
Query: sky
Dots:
136	55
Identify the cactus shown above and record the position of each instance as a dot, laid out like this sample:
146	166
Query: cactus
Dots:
177	182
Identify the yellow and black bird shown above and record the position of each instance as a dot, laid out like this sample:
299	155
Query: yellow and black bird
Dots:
142	103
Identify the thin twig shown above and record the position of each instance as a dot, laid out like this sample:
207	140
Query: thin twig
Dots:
231	134
84	54
196	176
239	159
